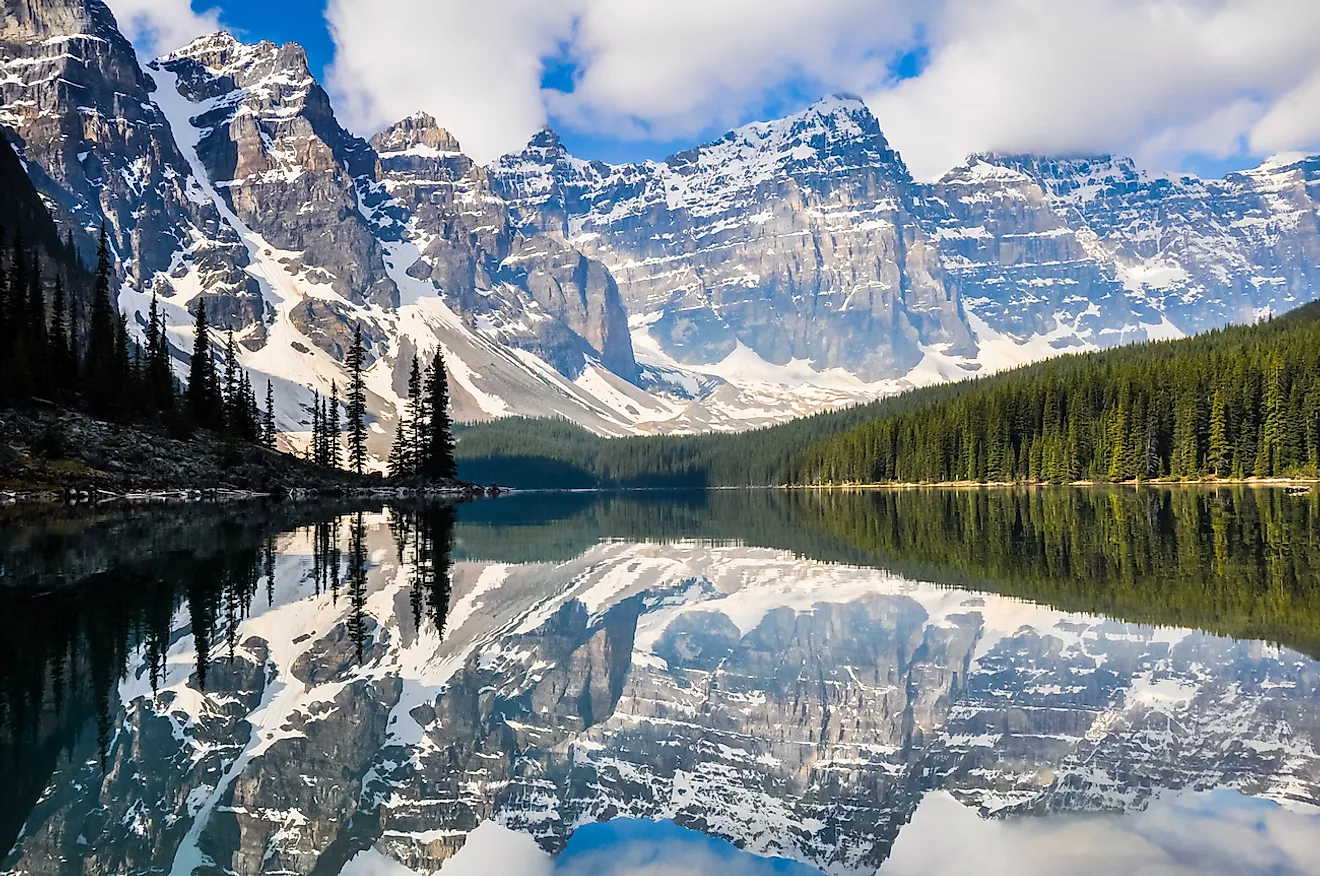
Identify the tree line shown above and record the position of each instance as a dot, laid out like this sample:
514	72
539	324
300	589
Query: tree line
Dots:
1234	403
52	352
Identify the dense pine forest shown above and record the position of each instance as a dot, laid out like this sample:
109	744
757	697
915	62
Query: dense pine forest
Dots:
1235	403
1238	402
51	354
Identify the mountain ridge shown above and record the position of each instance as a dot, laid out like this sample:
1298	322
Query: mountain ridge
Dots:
786	267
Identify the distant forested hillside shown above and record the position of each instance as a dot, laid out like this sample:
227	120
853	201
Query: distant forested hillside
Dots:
1237	402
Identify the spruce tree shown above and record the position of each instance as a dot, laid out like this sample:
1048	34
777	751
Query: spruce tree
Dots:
101	365
357	405
314	450
415	429
268	420
440	441
63	368
126	375
233	396
160	380
396	465
201	392
333	457
1217	454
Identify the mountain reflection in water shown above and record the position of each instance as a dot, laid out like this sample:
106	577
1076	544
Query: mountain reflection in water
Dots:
731	681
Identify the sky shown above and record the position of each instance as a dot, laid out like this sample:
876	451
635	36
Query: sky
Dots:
1220	833
1200	86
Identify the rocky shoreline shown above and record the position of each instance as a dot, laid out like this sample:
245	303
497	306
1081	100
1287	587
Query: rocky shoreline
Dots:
47	455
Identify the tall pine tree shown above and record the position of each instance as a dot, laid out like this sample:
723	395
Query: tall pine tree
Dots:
101	366
333	457
202	394
357	404
268	419
440	440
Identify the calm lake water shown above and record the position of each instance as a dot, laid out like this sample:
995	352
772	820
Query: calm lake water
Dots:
1053	681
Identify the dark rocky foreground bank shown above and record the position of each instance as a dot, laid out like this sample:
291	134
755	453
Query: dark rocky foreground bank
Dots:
48	454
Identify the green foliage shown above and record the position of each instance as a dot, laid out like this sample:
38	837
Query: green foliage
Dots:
54	349
357	407
1232	560
424	435
1230	402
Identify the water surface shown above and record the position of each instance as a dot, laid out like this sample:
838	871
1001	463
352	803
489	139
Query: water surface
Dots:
1055	680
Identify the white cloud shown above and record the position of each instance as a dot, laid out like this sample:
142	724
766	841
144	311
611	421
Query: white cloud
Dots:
475	66
1217	834
681	66
158	26
1151	78
660	68
1156	79
489	848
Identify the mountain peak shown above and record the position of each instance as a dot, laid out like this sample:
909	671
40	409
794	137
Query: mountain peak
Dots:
212	45
222	51
546	139
839	101
838	130
417	132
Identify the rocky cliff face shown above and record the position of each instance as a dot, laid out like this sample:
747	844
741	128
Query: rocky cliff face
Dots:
793	238
79	109
796	708
789	266
805	239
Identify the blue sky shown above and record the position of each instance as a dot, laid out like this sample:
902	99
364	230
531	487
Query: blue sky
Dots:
1214	88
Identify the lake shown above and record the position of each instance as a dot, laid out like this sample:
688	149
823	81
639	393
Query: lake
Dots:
1032	681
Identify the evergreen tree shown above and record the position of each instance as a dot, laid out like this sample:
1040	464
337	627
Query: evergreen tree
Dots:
101	363
1217	454
395	464
203	404
64	367
333	456
315	450
268	419
357	404
159	378
440	442
414	432
233	396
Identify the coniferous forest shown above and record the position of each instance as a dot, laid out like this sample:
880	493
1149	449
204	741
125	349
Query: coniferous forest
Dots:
63	341
50	353
1238	402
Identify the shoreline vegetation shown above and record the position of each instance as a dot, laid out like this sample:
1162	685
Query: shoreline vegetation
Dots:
49	455
1283	482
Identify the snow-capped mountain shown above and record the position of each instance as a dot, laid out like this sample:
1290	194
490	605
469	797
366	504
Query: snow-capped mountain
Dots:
796	708
789	266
